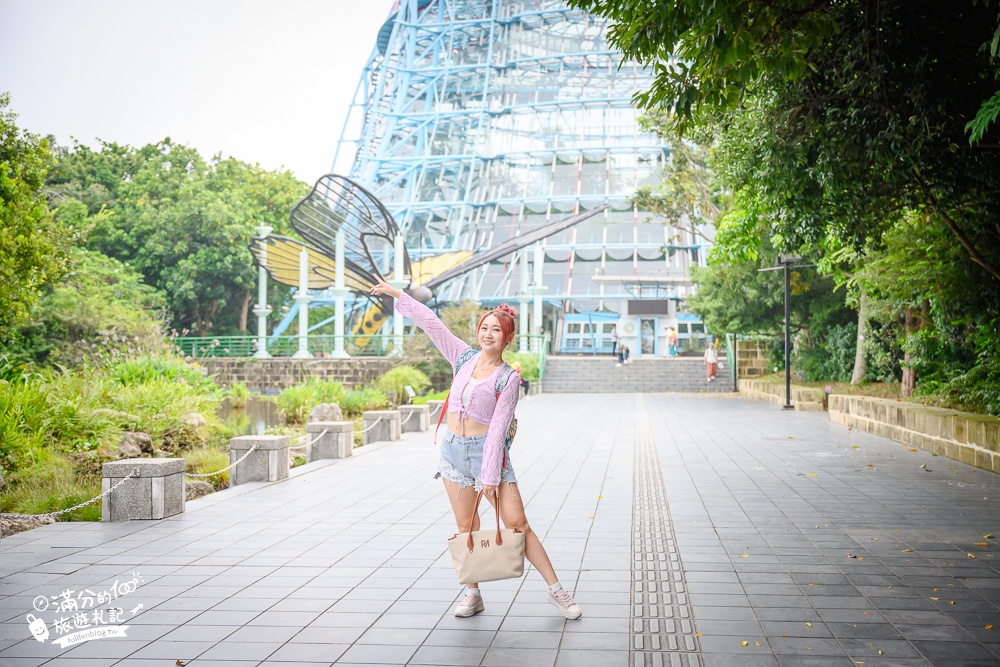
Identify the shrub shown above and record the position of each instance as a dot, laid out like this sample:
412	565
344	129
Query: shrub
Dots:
204	460
528	361
144	369
435	396
294	403
239	394
394	382
979	389
832	358
356	402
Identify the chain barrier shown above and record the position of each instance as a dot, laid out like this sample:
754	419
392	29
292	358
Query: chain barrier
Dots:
435	410
231	465
412	412
134	473
309	442
365	430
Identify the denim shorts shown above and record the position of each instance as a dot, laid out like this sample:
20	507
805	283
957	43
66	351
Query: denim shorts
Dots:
462	461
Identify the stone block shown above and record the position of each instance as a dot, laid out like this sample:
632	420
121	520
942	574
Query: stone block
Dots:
267	463
156	493
992	435
381	425
414	418
329	440
434	408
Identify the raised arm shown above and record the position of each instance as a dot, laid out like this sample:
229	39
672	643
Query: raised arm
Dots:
450	345
493	450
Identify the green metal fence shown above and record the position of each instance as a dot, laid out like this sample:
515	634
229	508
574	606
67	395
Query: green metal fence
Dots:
240	347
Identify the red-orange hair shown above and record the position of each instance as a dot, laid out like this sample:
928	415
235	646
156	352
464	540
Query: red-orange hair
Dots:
507	317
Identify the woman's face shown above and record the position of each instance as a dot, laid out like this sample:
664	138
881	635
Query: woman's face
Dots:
490	335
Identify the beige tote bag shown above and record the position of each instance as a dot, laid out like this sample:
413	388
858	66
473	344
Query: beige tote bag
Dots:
486	555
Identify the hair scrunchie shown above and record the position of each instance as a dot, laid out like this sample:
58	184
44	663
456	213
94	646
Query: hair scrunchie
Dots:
507	310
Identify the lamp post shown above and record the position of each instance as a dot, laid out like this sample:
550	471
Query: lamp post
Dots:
785	263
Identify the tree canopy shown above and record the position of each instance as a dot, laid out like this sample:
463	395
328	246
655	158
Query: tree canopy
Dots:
182	222
33	244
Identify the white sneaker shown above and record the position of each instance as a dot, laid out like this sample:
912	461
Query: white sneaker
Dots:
471	605
618	365
566	604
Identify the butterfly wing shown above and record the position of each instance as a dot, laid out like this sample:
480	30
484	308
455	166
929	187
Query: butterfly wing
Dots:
338	204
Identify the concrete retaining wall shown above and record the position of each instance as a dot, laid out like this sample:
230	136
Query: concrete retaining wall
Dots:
276	374
803	398
963	436
751	359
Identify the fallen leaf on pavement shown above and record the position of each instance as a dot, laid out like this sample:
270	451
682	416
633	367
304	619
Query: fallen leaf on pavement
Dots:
744	643
989	626
982	544
907	551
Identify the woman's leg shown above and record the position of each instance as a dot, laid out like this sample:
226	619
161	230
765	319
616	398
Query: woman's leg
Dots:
512	514
463	504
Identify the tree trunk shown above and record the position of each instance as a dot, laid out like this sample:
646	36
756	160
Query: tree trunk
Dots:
910	325
860	361
245	309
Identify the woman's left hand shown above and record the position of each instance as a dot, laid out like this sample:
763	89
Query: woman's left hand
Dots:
491	491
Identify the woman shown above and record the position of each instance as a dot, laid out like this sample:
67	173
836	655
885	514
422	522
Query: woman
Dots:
473	455
711	363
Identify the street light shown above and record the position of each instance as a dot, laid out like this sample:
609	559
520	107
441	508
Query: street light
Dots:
786	262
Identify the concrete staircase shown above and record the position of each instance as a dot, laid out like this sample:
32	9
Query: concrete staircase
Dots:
573	374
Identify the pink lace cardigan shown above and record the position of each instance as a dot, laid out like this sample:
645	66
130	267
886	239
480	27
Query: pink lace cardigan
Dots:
484	407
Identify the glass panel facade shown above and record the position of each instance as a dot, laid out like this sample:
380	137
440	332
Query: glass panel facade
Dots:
483	120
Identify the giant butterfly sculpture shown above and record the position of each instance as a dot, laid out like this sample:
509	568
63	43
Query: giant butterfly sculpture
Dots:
337	203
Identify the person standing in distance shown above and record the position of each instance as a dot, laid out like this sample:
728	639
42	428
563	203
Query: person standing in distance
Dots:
473	456
711	363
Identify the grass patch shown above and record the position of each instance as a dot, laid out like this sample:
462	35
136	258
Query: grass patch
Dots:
889	390
53	483
436	396
203	460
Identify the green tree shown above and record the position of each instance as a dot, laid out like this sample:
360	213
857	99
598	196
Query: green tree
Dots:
184	224
32	243
835	116
100	309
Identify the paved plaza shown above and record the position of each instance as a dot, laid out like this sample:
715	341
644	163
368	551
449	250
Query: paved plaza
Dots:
693	530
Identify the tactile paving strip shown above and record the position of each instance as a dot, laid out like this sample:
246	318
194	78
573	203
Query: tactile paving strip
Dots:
663	630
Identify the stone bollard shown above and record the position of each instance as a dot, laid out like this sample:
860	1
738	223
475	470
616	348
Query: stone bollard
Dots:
329	440
158	491
414	418
387	429
267	463
435	408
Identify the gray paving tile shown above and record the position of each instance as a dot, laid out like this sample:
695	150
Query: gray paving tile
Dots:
448	655
523	657
367	653
349	564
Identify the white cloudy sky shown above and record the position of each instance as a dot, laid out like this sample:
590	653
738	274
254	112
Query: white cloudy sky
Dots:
261	80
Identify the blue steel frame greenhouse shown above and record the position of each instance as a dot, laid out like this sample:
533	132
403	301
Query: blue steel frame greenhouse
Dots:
477	120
